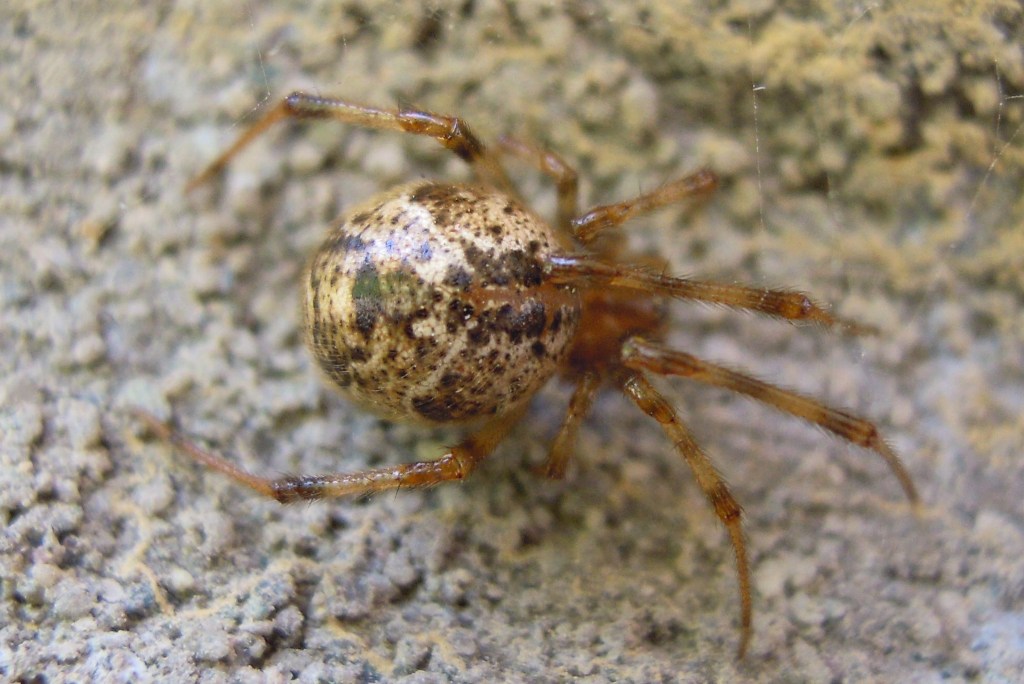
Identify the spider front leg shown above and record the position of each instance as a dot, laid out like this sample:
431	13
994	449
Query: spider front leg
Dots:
450	131
456	464
583	269
639	354
640	390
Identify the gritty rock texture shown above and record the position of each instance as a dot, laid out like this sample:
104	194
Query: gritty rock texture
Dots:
871	154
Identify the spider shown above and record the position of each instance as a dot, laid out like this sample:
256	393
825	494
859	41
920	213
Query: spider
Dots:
452	303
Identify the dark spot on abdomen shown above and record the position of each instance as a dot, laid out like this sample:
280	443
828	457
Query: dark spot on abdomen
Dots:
366	316
458	278
432	408
534	319
556	321
528	322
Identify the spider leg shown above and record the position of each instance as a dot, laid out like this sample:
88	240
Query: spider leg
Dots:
450	131
586	227
550	164
456	464
639	354
565	442
582	269
640	390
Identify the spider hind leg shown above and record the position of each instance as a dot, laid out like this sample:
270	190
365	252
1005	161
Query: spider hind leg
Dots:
639	354
639	389
456	464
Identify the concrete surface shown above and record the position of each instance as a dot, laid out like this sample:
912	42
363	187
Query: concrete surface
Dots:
871	154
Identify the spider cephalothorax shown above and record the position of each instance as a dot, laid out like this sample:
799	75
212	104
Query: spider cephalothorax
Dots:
446	303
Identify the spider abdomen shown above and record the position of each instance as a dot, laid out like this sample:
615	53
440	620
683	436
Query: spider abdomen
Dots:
429	303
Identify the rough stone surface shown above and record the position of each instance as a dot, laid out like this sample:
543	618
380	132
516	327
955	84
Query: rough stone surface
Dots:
872	155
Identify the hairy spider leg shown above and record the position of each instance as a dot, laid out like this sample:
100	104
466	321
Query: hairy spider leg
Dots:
451	131
586	227
639	354
456	464
550	164
564	444
583	269
639	389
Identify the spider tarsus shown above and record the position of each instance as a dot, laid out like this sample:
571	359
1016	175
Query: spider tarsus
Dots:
882	447
167	433
195	182
859	329
741	650
160	428
549	472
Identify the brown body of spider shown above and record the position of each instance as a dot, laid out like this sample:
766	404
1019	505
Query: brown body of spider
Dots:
447	303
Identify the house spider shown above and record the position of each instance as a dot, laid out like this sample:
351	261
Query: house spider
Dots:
454	303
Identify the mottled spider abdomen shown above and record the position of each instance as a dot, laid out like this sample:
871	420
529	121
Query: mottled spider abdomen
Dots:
429	302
